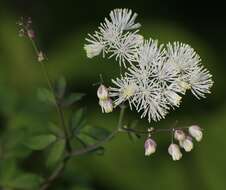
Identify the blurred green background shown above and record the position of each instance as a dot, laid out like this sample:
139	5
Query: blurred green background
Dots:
61	28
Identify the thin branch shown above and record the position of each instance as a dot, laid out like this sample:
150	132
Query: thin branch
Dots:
57	104
90	148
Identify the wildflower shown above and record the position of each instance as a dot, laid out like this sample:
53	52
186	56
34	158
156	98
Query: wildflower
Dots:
124	19
155	77
173	98
125	90
102	92
200	81
150	146
187	144
95	46
196	132
106	105
179	135
175	152
112	39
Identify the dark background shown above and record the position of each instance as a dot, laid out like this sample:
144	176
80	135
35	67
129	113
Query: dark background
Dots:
61	28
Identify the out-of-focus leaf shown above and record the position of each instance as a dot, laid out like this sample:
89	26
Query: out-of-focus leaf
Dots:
40	142
72	98
56	130
26	181
8	170
78	121
46	96
97	133
55	152
60	87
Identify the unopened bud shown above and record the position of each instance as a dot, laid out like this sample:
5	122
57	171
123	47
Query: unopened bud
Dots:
174	151
102	92
196	132
149	147
106	105
41	57
179	135
31	34
187	144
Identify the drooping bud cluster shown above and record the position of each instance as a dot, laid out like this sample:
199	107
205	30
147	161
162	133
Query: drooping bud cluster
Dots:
105	101
185	141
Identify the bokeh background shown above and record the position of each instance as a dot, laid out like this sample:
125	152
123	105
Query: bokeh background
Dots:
61	28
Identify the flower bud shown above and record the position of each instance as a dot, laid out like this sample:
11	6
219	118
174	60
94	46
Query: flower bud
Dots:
149	147
196	132
40	57
102	92
187	144
106	105
174	151
31	34
93	50
179	135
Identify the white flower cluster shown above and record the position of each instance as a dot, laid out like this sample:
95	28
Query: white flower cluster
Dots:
156	75
185	142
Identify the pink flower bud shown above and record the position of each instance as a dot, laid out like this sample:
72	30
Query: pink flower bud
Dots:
196	132
102	92
174	151
179	135
106	105
149	147
187	144
31	34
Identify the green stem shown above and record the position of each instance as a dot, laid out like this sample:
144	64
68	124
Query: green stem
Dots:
109	137
57	104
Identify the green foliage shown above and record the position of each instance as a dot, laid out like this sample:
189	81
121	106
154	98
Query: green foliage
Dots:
78	121
72	98
12	177
60	87
40	142
56	152
46	96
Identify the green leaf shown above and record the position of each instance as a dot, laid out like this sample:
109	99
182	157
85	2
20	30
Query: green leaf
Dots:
78	121
40	142
97	133
26	181
55	129
46	96
61	87
56	152
72	98
8	170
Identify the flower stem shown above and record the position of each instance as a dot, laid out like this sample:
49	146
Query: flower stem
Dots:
57	104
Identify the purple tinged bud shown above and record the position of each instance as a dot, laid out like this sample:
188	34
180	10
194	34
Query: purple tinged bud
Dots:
102	92
149	147
179	135
31	34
